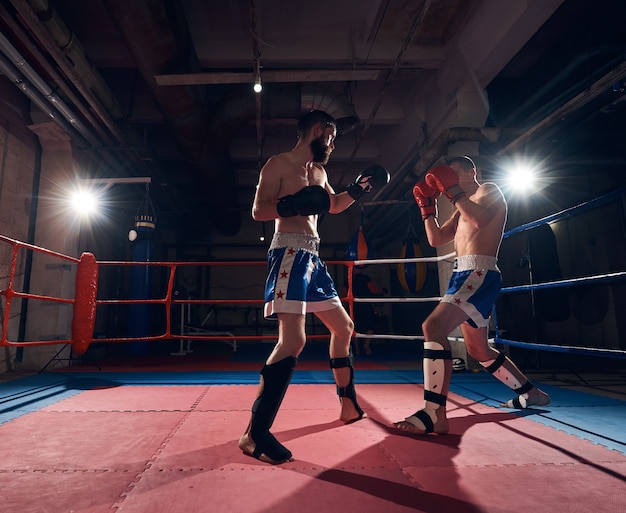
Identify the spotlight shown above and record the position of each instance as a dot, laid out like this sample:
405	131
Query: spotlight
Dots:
522	178
85	202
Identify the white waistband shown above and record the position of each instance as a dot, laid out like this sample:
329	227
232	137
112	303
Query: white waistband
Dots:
303	241
471	262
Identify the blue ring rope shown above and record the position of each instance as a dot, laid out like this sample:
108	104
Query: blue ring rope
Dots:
617	276
588	205
601	278
595	351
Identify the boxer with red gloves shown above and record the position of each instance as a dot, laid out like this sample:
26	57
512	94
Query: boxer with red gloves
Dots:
476	228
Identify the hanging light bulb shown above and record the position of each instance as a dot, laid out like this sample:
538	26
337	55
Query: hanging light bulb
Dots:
258	87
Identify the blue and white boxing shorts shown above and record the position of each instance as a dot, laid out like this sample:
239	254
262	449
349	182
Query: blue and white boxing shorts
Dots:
298	281
474	286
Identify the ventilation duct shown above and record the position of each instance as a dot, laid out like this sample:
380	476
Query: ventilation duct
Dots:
75	54
337	105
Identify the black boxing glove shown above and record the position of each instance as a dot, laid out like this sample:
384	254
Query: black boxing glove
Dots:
372	177
306	202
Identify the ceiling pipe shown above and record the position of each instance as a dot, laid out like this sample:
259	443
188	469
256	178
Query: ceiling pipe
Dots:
108	145
74	52
36	29
7	69
55	109
48	41
43	63
37	82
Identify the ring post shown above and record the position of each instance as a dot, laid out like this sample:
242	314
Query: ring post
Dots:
86	291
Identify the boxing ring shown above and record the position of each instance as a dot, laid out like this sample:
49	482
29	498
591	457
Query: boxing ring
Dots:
86	303
133	440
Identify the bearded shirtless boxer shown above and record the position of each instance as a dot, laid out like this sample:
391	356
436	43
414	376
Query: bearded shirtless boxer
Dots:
293	190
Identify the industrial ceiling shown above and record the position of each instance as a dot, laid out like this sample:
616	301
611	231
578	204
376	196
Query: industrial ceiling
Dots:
163	88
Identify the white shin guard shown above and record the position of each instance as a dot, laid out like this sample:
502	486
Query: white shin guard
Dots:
499	369
435	357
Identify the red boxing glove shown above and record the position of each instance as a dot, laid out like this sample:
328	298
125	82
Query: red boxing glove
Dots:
445	179
425	198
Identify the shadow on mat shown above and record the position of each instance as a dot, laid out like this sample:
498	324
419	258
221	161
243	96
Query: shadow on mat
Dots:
398	493
460	425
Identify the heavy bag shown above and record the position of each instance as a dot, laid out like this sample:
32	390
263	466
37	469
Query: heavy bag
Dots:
551	304
411	275
359	248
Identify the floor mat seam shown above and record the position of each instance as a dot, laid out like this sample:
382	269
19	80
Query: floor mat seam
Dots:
149	463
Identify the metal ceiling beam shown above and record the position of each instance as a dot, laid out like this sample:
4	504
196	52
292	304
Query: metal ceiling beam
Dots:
305	75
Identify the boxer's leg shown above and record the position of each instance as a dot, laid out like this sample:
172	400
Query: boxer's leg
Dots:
507	372
257	441
343	371
437	372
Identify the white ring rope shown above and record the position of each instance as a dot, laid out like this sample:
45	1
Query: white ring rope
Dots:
401	299
405	260
396	299
560	283
406	337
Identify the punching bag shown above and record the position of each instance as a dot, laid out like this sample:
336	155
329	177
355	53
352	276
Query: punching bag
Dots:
551	304
359	248
411	275
142	243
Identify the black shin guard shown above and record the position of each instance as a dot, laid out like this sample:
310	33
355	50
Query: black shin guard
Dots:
348	391
276	378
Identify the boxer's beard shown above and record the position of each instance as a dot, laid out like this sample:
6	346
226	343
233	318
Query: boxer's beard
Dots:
321	152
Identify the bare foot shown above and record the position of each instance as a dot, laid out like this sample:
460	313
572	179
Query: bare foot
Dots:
415	426
279	452
534	397
349	412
